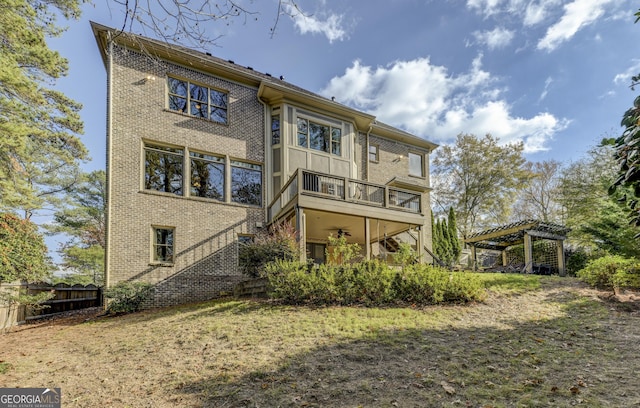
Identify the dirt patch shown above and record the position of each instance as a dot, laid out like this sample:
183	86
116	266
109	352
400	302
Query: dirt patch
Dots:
560	345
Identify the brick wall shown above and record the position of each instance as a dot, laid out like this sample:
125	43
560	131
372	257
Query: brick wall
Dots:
205	230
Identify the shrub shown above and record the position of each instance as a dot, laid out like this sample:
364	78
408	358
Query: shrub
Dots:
128	297
278	243
576	260
612	271
370	283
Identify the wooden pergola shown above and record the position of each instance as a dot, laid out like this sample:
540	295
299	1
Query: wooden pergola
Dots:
521	232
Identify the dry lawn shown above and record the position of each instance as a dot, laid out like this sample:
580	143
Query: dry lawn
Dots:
535	342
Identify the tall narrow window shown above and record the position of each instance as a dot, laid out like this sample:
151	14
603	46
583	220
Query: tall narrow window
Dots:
275	129
336	141
163	169
197	100
246	183
416	164
303	132
374	153
163	244
207	176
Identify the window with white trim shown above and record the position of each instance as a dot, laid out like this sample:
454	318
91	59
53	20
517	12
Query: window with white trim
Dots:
416	164
374	153
320	137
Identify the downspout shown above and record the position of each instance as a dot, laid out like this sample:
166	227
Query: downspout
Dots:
107	251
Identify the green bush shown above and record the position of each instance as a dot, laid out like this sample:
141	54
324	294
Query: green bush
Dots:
612	271
370	283
277	243
128	297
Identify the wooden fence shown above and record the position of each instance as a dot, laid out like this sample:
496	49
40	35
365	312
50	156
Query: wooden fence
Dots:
65	298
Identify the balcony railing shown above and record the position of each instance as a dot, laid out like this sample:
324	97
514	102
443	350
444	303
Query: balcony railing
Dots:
307	182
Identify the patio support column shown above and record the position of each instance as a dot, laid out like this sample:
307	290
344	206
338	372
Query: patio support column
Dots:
367	239
301	223
504	257
528	253
420	243
561	263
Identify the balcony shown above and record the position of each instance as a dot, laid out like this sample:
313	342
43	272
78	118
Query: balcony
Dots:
343	191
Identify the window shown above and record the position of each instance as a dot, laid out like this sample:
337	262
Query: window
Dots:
275	129
416	165
207	176
319	137
163	244
198	100
373	153
246	183
163	169
245	239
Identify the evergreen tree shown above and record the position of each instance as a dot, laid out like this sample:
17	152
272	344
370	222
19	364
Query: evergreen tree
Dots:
39	147
84	222
456	249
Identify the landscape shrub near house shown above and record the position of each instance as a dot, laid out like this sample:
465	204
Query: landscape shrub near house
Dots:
370	283
128	297
612	271
279	242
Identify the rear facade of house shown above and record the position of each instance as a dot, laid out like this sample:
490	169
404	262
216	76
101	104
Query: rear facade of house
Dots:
203	153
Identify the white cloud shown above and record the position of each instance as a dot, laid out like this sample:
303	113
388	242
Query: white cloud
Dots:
330	27
577	14
625	77
545	91
426	100
497	38
535	13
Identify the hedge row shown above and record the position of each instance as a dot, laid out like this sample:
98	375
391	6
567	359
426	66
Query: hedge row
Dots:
370	283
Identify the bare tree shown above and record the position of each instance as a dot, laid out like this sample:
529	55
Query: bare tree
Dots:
538	197
187	21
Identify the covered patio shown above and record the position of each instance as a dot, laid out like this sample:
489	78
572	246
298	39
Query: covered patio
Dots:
523	233
377	217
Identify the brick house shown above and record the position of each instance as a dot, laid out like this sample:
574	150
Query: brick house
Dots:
202	153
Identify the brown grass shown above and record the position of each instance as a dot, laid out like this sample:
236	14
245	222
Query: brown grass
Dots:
536	341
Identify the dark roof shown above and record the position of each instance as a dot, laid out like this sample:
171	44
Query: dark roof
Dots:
505	236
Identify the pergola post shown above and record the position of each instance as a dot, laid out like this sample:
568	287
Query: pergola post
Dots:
504	257
473	258
561	260
528	253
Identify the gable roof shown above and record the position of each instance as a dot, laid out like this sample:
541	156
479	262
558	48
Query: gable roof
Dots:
270	88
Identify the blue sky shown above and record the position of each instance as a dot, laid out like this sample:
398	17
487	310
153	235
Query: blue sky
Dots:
554	74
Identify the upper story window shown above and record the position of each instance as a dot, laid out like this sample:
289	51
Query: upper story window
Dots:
207	176
198	100
416	164
275	129
374	153
246	182
320	137
163	169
